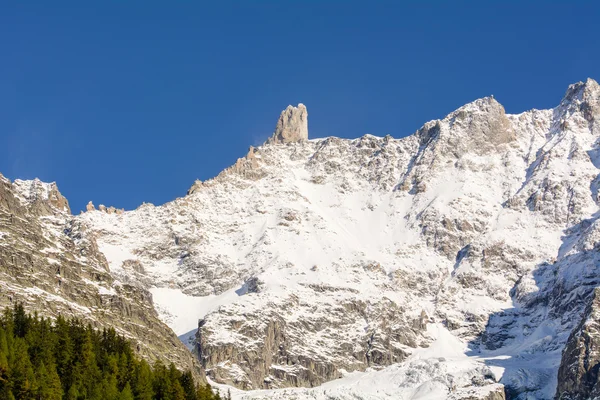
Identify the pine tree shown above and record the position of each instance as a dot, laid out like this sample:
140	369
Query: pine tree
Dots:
5	391
22	377
49	387
73	393
176	391
63	353
90	373
205	392
3	358
187	383
21	321
109	388
126	393
161	382
143	382
124	370
41	341
68	360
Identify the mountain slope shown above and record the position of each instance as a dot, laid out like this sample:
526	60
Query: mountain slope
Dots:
439	263
50	262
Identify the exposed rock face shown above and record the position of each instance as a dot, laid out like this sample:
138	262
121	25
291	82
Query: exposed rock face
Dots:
279	345
50	262
481	229
41	197
90	207
292	125
578	375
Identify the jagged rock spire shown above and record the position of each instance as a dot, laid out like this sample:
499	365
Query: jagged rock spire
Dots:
292	125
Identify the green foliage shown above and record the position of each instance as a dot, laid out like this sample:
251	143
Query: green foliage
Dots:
41	360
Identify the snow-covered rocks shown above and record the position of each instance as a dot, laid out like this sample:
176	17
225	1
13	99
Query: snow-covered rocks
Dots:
50	262
43	197
578	372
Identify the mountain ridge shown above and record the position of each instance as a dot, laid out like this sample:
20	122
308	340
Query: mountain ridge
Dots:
315	259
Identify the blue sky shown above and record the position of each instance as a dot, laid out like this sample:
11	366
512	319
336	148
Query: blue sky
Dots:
130	101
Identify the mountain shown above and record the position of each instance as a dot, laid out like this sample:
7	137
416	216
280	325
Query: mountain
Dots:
459	262
50	262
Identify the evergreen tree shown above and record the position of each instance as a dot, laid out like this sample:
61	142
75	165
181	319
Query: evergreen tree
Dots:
176	391
49	387
73	393
187	383
3	359
22	378
126	393
67	360
109	388
20	321
161	383
63	353
88	368
143	382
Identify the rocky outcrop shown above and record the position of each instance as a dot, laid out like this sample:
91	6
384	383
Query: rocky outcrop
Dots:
491	392
583	97
108	210
50	262
274	353
579	372
292	125
248	167
195	187
41	198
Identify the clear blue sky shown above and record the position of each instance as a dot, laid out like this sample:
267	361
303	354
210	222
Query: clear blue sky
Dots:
129	101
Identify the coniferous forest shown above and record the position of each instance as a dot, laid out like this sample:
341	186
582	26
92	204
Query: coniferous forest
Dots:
66	359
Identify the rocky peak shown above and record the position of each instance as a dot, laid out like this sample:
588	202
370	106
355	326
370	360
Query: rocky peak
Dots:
583	97
45	197
483	105
292	125
478	127
582	91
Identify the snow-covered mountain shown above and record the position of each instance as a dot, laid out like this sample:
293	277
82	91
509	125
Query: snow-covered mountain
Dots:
49	262
457	262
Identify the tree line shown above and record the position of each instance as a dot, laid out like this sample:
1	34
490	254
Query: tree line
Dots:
69	360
